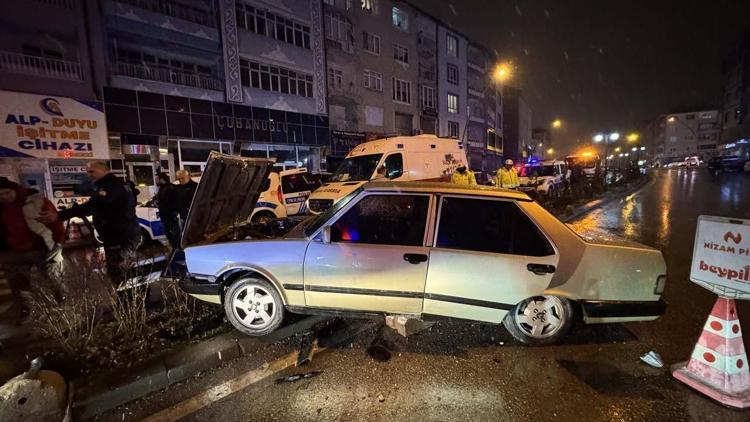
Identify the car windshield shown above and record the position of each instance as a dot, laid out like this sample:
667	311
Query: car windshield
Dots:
356	169
321	219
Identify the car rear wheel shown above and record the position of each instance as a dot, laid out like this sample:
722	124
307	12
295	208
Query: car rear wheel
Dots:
540	319
263	217
253	306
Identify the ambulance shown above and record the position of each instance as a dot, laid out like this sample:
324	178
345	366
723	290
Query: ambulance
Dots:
399	158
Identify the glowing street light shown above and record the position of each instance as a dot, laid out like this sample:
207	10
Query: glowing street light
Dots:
643	148
606	138
550	151
633	137
557	123
671	119
503	72
598	138
634	149
617	149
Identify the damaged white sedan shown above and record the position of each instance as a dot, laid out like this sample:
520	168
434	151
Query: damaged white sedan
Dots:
422	250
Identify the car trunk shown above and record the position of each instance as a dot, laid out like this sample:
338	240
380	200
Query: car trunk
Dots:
225	198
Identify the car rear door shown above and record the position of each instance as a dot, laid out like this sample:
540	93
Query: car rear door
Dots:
377	258
487	255
296	188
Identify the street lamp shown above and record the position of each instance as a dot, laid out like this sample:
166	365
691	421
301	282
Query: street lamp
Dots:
633	137
606	137
557	123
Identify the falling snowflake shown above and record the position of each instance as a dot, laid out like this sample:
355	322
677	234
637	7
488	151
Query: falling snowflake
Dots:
518	10
453	9
546	12
565	53
525	51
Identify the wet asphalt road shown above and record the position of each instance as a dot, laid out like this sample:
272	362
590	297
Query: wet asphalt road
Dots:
477	372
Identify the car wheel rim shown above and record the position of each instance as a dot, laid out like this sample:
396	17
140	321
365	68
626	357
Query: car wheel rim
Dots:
541	316
254	307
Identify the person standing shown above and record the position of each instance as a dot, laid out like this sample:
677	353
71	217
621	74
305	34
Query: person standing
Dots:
507	177
165	201
26	242
112	207
463	176
184	193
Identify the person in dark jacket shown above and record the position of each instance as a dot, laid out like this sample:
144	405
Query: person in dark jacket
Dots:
165	201
112	206
185	193
26	242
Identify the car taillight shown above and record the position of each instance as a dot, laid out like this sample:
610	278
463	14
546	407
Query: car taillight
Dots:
280	196
661	283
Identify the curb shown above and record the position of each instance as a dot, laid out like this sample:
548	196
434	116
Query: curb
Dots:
109	390
598	203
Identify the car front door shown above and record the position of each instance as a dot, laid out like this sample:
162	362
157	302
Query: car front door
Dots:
295	189
488	255
376	259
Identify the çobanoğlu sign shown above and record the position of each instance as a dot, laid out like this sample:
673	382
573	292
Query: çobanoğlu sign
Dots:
51	127
721	254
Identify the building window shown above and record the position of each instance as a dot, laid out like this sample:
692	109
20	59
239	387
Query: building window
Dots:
36	51
371	43
428	97
373	80
274	78
400	19
370	6
453	130
452	74
335	78
452	103
269	24
339	29
401	91
400	53
452	45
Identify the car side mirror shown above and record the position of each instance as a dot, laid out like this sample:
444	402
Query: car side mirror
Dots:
396	174
325	235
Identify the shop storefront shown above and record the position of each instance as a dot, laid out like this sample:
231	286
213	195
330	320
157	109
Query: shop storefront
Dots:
152	132
46	142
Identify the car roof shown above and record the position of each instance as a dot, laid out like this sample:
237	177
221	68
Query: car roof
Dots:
447	188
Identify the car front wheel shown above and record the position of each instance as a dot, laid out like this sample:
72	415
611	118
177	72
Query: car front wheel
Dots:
253	306
540	319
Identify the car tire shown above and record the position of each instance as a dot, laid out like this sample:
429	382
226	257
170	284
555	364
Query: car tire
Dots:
256	317
263	217
524	323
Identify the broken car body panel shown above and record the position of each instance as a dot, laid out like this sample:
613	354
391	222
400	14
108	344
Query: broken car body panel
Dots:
314	273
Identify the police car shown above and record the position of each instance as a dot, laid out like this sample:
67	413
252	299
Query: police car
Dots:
284	195
545	178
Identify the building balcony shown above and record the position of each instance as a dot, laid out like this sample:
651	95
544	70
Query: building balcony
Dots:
175	10
40	66
166	76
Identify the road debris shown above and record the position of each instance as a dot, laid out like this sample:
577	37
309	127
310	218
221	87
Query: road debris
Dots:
378	352
652	358
297	377
381	398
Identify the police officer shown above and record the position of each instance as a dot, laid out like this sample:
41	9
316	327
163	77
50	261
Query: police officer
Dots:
506	176
463	176
113	208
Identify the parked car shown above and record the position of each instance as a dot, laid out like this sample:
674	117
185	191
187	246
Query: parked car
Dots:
724	163
425	250
405	158
545	178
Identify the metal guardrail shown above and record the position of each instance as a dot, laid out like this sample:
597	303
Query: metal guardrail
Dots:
43	66
164	75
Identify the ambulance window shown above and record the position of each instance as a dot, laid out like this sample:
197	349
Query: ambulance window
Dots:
384	220
394	166
489	226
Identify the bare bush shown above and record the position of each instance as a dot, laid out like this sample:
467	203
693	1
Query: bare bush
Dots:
177	303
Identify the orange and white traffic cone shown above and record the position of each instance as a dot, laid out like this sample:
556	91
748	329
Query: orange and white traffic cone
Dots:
718	366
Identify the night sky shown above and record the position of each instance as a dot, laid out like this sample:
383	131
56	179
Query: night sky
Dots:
605	64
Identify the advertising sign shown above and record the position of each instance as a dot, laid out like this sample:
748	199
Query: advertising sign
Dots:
721	256
70	184
51	127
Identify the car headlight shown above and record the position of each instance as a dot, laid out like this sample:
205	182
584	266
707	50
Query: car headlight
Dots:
661	283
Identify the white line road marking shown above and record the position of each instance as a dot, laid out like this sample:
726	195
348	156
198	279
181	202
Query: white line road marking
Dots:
218	392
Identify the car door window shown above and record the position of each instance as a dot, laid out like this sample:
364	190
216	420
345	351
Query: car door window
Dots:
489	226
300	182
384	220
394	166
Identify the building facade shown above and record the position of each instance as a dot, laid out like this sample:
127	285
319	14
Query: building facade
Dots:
735	118
518	144
452	83
679	135
484	130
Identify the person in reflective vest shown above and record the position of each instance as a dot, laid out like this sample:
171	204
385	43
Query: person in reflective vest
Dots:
463	176
507	177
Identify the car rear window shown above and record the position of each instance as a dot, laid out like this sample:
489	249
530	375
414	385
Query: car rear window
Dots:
489	226
301	182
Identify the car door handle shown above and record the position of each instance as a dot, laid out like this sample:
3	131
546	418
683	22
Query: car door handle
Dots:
415	258
540	269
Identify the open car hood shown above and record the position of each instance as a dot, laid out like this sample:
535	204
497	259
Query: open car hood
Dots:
225	197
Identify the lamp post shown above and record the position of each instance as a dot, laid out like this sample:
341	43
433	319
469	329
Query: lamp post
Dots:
606	137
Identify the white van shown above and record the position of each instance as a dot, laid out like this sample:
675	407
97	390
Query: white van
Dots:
405	158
